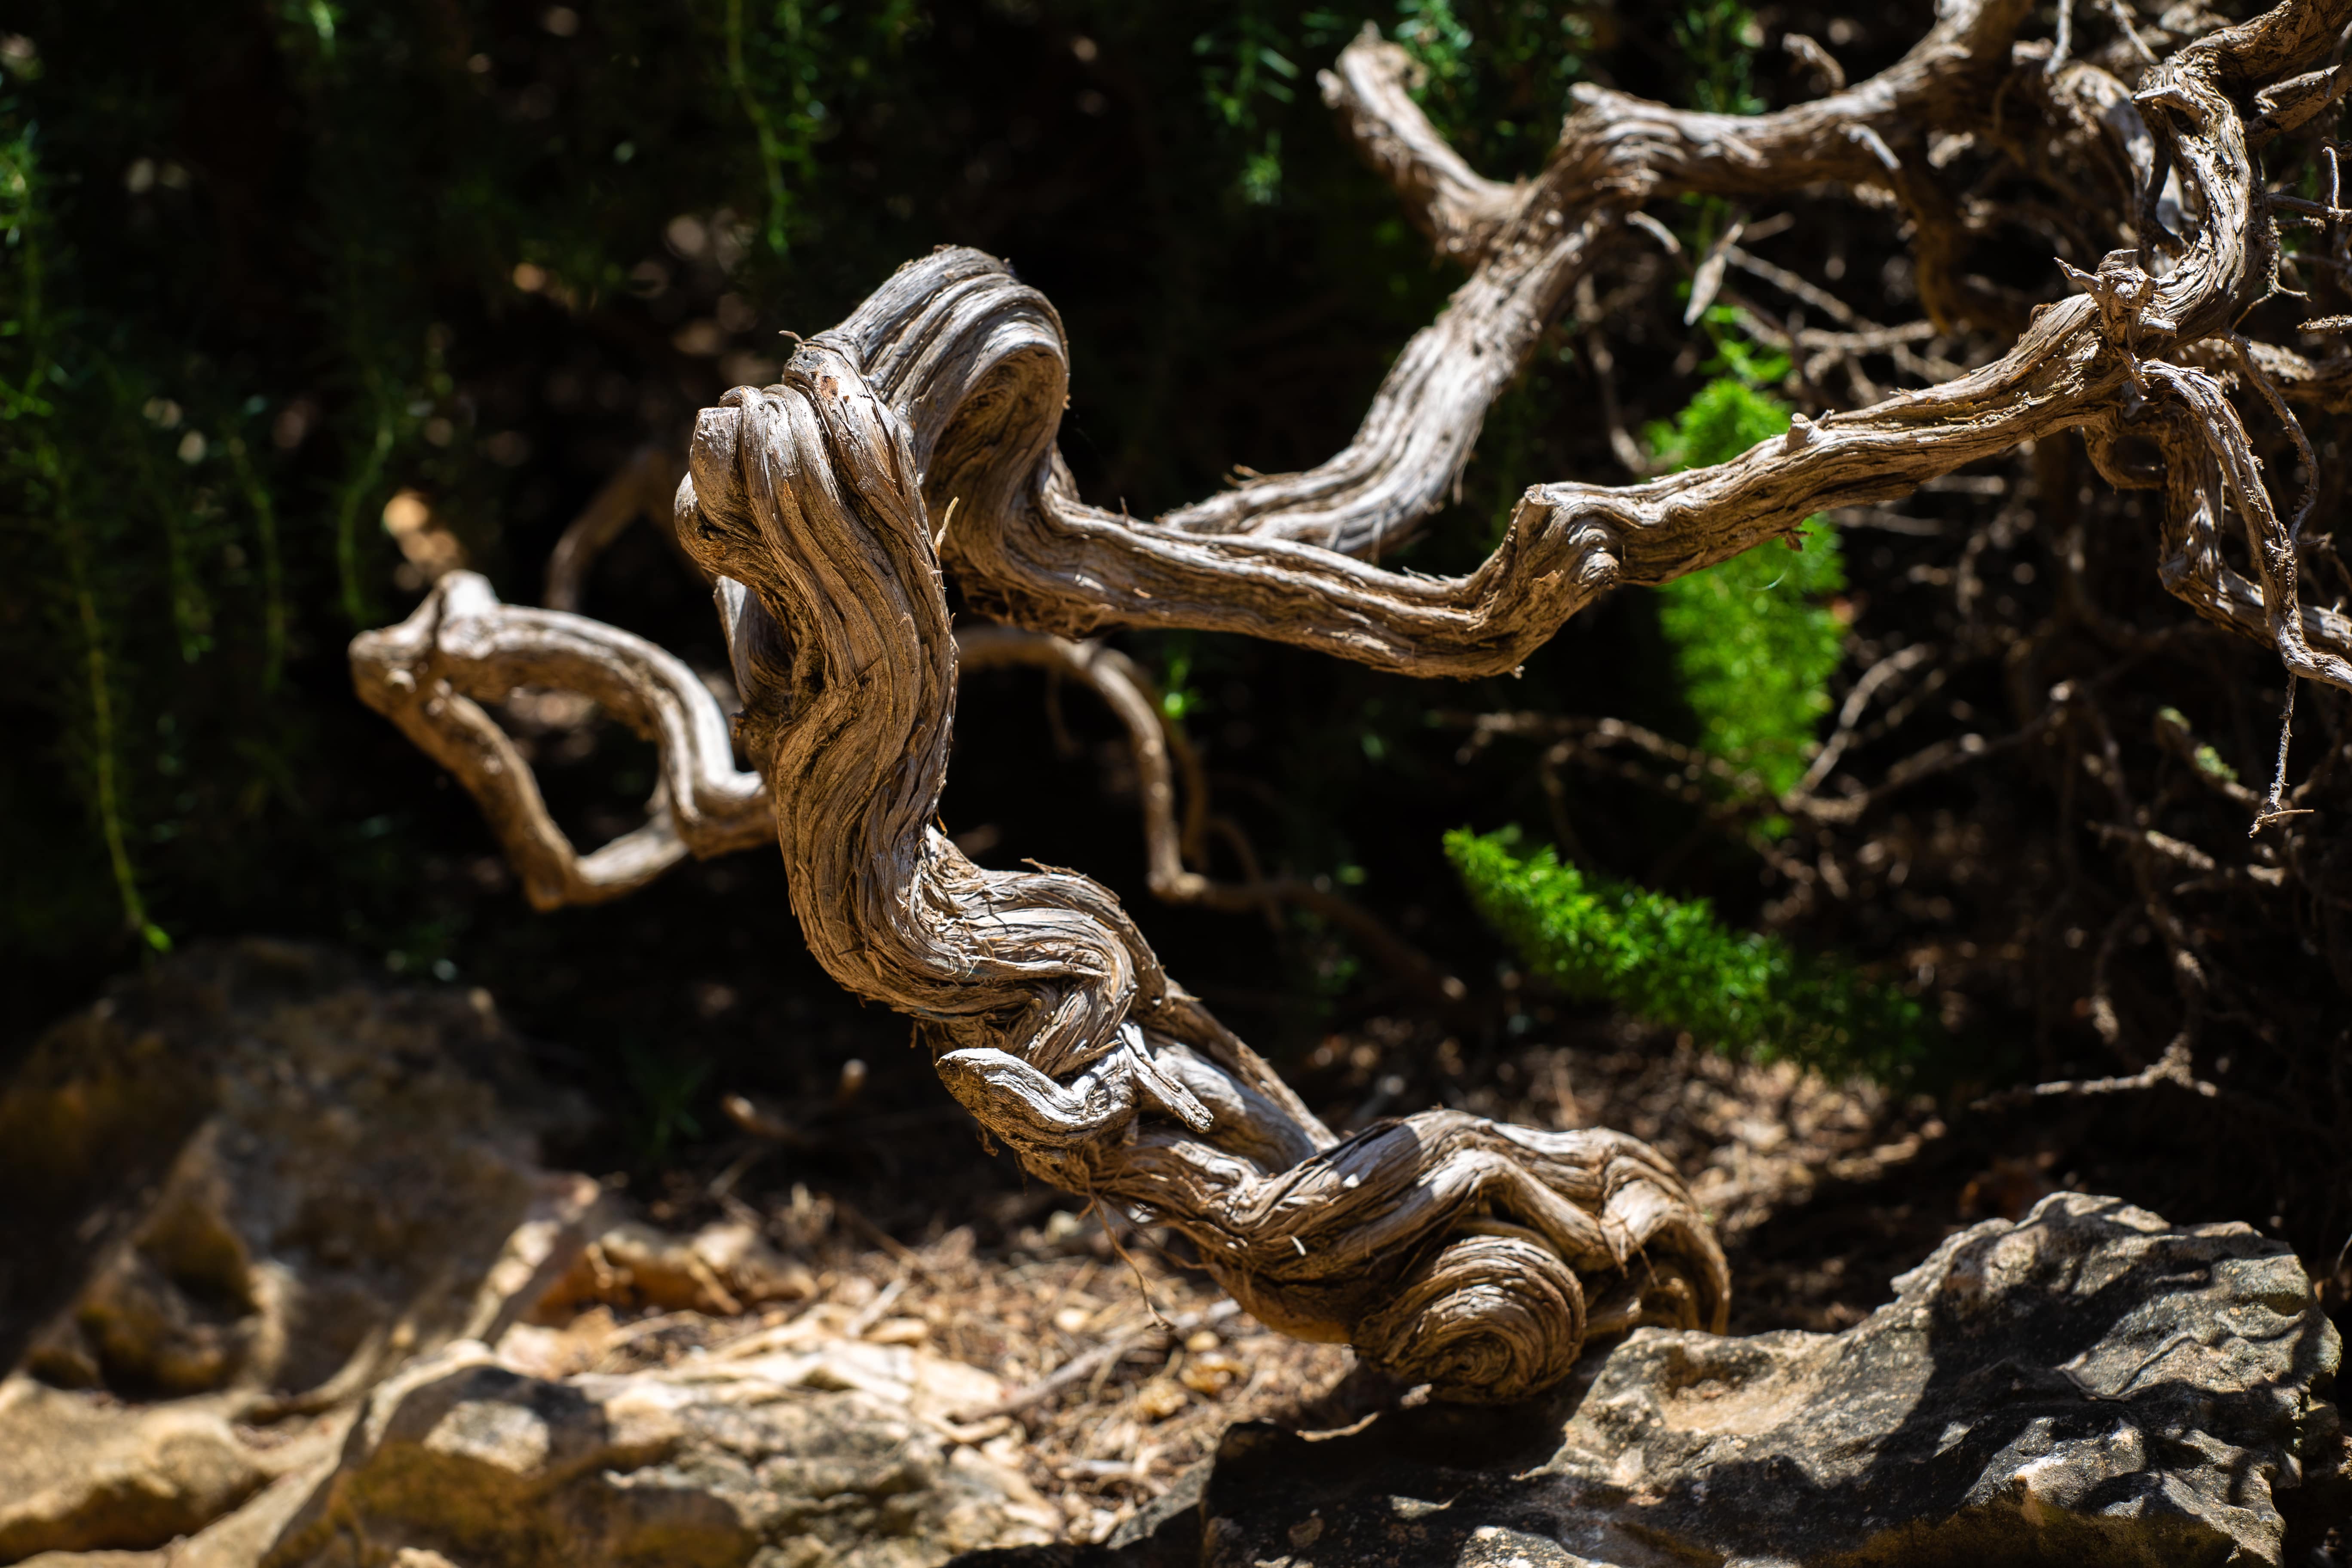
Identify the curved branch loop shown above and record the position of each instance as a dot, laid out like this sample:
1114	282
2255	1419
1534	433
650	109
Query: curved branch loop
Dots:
462	648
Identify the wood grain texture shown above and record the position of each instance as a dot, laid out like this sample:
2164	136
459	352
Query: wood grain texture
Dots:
462	648
916	441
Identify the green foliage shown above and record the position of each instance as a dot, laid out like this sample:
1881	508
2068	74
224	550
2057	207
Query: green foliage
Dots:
1717	39
782	62
1737	354
2171	721
1726	419
1672	962
1178	695
1752	643
39	469
1497	73
1246	77
663	1089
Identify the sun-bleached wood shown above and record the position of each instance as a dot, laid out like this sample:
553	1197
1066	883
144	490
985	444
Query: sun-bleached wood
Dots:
462	648
915	442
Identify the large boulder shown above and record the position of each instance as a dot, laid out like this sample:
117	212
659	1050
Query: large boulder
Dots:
2087	1387
259	1168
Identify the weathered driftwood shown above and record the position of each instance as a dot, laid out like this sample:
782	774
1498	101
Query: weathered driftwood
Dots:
917	440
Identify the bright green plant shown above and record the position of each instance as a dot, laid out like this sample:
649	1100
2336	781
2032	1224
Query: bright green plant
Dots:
1753	646
1752	640
1674	963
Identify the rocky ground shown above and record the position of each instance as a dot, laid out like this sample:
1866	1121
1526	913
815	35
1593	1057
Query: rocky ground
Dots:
289	1282
2037	1392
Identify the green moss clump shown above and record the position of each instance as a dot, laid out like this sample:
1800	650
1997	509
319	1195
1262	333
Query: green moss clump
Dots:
1672	962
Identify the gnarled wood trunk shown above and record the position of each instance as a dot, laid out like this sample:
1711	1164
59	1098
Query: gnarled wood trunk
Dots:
918	439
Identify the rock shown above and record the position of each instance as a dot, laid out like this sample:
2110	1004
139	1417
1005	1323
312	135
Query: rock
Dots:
248	1183
257	1168
267	1215
724	1267
235	1539
77	1475
838	1457
2087	1387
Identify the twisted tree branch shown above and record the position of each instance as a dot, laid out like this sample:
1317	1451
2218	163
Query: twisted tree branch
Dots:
461	648
916	440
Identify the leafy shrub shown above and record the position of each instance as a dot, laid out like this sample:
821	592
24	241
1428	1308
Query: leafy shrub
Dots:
1672	962
1751	641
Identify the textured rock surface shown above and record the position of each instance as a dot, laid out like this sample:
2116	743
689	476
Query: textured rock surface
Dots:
2088	1387
247	1183
75	1475
792	1453
841	1455
253	1168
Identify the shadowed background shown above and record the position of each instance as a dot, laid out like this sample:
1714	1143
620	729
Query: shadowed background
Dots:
283	278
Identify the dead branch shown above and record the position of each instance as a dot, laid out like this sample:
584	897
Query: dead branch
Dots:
644	486
1368	88
1529	243
916	440
461	648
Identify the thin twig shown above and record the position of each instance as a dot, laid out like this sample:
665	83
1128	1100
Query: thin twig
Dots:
2065	43
2252	367
1857	702
1627	451
2121	15
2274	807
1083	1365
1709	275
